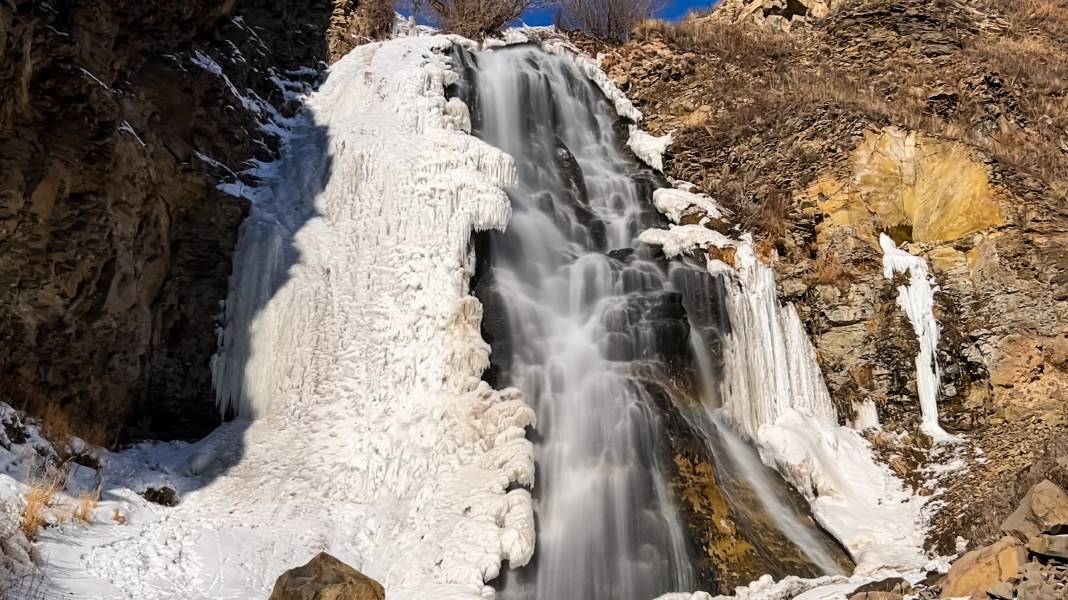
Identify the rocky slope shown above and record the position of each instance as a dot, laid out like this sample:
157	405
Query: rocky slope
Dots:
822	125
119	120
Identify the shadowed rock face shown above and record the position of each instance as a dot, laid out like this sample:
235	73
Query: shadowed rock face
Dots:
114	242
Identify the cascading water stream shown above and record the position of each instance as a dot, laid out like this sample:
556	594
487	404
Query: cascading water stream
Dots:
581	310
743	475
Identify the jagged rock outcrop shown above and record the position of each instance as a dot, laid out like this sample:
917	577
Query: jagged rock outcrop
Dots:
922	120
779	15
119	119
326	578
1031	561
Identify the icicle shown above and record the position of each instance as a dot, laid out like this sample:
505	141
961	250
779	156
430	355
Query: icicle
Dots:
917	300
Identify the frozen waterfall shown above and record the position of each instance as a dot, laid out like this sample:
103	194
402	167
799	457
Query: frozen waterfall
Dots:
917	300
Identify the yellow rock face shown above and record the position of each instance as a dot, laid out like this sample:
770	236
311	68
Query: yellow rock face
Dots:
902	180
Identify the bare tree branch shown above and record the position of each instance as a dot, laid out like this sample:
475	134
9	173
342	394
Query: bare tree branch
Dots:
607	19
477	18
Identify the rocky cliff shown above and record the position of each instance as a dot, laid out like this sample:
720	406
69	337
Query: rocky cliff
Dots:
120	120
822	125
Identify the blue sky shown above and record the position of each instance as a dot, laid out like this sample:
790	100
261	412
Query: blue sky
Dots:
673	9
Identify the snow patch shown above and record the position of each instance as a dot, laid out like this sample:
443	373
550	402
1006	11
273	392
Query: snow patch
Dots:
676	203
649	148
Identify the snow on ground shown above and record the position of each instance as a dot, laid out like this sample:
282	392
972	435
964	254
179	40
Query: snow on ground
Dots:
351	336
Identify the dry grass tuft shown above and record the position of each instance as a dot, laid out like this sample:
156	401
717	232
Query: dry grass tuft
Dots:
118	517
741	43
87	503
57	421
39	498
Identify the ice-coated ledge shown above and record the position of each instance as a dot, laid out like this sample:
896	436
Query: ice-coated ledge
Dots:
684	239
675	203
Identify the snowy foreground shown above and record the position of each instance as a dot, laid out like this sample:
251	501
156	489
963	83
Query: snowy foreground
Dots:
352	339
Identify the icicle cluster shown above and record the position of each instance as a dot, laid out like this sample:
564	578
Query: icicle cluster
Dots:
917	300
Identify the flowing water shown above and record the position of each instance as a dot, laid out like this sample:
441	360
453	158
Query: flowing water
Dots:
757	493
586	311
582	309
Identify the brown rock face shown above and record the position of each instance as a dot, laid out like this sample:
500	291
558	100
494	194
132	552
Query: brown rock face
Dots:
326	578
981	569
114	242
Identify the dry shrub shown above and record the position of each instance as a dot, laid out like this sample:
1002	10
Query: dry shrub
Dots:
56	420
39	498
118	517
59	426
606	19
828	270
374	19
1049	16
649	28
477	18
87	503
744	44
1030	60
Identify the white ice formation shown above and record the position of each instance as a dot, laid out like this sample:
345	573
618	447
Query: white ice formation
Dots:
917	300
684	239
351	338
774	394
676	203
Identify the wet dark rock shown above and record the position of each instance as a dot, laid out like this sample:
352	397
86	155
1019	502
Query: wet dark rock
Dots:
896	585
165	496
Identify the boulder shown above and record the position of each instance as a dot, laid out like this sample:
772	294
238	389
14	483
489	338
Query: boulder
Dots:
983	568
893	585
876	596
1052	546
1001	591
326	578
1044	509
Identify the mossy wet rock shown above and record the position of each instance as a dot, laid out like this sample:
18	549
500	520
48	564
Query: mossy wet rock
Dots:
326	578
